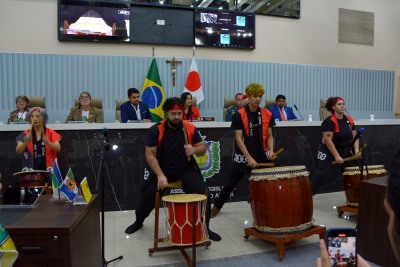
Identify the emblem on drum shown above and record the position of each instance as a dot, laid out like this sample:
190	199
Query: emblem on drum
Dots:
210	162
321	156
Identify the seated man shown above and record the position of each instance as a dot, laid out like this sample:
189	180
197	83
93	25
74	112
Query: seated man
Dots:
280	111
134	109
85	112
239	103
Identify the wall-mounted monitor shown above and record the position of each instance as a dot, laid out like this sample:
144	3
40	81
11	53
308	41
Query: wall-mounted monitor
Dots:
162	25
80	20
221	28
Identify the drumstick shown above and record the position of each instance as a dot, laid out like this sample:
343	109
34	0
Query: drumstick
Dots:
176	184
267	164
355	157
279	151
185	136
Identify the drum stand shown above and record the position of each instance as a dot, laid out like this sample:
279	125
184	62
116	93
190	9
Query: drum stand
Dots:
190	261
281	240
100	175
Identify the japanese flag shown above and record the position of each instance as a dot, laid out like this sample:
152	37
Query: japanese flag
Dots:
193	83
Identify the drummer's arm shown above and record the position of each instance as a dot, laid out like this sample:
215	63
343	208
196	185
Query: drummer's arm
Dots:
150	155
21	147
55	146
239	141
356	145
270	143
327	136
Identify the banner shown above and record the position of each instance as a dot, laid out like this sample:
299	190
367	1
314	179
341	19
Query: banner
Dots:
193	83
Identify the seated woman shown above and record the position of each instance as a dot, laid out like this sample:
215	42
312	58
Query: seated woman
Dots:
38	145
85	111
20	114
190	113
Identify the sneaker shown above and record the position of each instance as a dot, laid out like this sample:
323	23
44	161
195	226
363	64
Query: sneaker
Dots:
213	236
214	211
133	228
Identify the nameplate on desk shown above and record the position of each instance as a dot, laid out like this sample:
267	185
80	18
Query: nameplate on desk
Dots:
74	122
207	119
19	122
134	121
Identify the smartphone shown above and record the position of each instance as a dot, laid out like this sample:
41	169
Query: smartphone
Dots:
342	246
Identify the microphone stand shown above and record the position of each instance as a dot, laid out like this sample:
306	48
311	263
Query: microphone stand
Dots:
298	112
100	173
362	159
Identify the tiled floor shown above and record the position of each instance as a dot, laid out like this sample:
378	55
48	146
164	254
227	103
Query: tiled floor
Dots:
229	223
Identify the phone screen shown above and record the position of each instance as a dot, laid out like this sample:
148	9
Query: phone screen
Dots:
341	245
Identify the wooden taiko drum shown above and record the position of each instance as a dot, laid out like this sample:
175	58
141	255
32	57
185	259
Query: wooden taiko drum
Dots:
31	179
352	179
281	200
180	219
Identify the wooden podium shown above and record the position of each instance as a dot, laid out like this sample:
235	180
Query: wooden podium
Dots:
56	235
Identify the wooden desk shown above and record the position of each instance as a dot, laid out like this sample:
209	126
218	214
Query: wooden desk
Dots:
51	234
373	240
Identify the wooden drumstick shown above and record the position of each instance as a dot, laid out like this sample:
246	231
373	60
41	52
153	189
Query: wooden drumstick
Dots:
176	184
185	136
355	157
279	151
266	164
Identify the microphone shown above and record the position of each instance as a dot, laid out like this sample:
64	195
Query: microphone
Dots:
106	141
357	136
298	112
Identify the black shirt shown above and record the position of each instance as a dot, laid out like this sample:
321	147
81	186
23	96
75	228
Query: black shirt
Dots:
344	137
171	154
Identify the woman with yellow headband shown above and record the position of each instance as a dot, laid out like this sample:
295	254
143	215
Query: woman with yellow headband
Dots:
39	145
338	131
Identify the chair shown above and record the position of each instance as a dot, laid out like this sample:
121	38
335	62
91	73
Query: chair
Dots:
118	103
228	102
323	111
37	101
270	102
96	102
194	101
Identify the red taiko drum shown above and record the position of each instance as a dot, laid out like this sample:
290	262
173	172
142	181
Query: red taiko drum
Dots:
352	179
30	179
180	219
281	200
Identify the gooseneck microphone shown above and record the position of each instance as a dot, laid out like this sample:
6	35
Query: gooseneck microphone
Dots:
106	141
298	112
357	136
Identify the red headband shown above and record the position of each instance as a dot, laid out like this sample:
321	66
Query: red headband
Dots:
175	107
337	99
36	109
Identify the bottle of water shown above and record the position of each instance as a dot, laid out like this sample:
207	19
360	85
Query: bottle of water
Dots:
309	117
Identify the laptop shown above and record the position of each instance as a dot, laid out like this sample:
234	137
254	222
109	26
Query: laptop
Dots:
19	197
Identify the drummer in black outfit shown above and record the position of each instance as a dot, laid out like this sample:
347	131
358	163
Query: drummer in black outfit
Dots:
254	142
338	132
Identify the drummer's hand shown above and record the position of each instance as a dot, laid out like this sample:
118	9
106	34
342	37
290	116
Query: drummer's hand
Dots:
272	155
358	154
189	150
339	159
251	163
162	182
46	140
324	260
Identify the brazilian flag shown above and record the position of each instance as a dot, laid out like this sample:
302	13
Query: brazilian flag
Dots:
153	92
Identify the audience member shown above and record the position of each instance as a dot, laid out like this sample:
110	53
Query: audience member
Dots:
280	111
38	145
134	109
20	114
85	111
391	204
167	153
254	141
234	108
190	113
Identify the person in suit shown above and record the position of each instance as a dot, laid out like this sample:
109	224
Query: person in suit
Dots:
134	109
280	111
85	111
239	103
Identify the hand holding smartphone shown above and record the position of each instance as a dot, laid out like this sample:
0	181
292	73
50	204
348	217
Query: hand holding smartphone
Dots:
342	247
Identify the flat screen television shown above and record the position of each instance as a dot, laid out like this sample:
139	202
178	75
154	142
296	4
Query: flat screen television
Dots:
221	28
80	20
162	25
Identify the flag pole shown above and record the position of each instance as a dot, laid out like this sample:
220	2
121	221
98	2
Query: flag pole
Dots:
153	51
194	51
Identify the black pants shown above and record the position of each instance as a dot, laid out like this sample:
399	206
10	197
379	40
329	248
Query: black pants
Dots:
238	172
192	182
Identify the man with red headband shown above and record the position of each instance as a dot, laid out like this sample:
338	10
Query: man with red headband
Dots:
38	145
338	132
254	141
170	158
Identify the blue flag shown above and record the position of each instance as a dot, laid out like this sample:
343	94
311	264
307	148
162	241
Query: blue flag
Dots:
56	178
68	187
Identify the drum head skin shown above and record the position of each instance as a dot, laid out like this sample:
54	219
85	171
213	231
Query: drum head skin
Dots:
184	198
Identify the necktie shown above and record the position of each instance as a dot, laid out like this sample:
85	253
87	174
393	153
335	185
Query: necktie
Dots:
282	114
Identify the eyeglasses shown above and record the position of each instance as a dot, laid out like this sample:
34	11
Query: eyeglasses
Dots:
84	97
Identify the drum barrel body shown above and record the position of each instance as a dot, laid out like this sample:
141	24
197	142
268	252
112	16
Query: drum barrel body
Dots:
180	219
33	179
352	180
283	204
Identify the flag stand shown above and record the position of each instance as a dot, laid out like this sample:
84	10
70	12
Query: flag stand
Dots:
100	176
